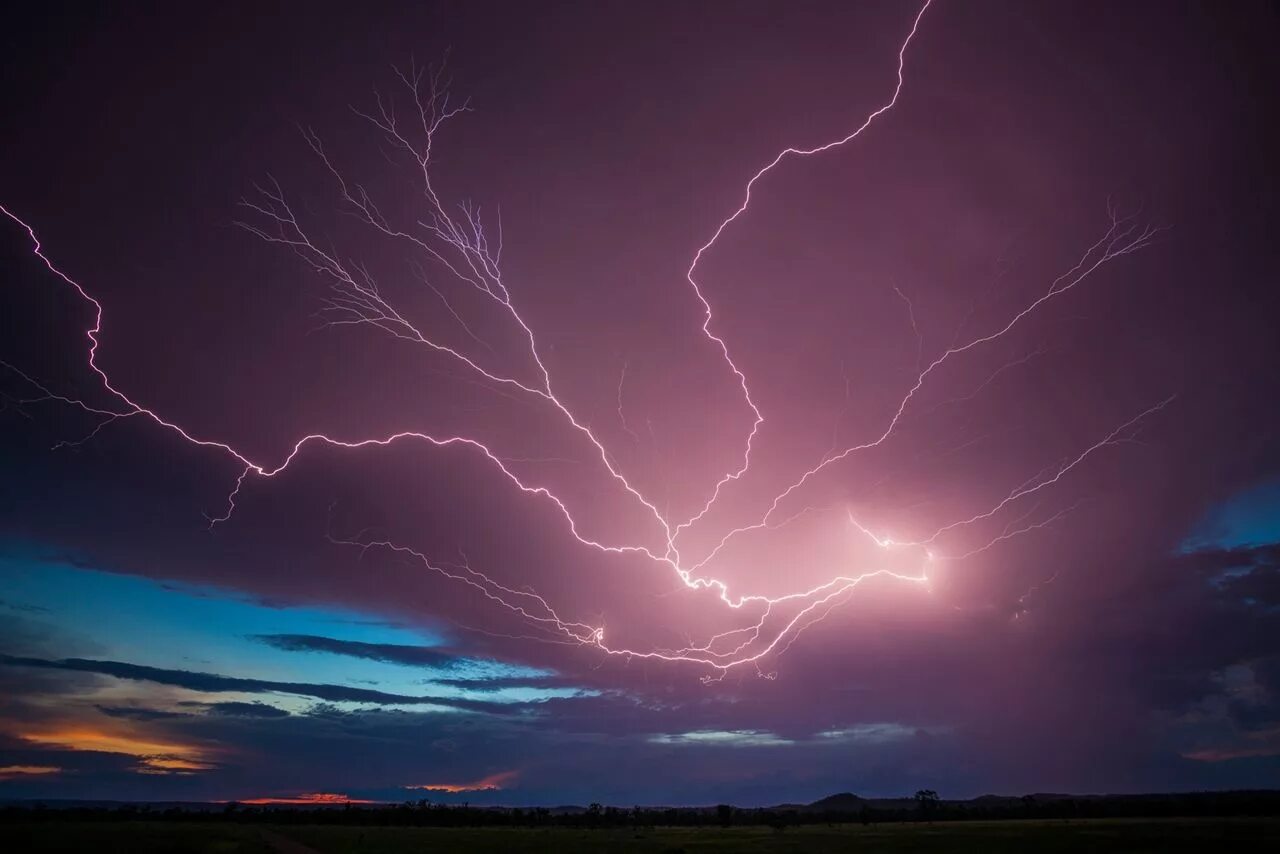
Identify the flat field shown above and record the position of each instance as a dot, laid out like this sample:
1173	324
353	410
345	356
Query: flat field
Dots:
993	837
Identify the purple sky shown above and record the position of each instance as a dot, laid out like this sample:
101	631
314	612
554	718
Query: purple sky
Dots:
1056	569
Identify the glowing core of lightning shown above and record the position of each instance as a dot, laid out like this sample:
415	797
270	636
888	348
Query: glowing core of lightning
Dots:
460	243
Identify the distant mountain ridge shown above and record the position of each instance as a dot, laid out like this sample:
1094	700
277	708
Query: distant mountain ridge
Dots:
842	803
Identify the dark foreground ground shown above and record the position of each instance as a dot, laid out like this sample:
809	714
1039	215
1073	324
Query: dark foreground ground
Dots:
1092	835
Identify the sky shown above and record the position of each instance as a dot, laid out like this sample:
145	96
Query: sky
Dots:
702	403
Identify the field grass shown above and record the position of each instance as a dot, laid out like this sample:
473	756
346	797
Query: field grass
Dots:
1155	835
996	837
131	837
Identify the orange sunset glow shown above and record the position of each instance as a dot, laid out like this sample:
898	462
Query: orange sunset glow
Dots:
492	783
9	772
565	426
156	757
316	798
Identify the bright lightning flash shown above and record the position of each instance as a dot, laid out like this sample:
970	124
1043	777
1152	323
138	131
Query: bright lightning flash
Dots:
458	241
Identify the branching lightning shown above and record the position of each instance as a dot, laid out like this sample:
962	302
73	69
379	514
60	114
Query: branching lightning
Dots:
456	239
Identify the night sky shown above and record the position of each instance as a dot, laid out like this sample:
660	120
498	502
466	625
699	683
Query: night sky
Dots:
1021	331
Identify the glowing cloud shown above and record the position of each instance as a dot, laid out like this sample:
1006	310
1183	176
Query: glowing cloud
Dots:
492	783
14	772
155	757
723	738
1226	754
461	243
319	799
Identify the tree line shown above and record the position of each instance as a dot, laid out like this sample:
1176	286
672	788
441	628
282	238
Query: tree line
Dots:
925	806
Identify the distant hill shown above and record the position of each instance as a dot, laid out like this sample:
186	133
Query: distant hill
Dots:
844	801
1053	804
840	807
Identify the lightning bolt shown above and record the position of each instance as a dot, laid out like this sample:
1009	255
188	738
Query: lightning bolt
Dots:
732	218
456	238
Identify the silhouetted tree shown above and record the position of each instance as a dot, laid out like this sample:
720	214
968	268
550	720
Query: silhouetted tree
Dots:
927	800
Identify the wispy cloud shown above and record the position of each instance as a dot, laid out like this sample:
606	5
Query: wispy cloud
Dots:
154	757
390	653
307	798
725	738
212	682
870	733
16	772
492	783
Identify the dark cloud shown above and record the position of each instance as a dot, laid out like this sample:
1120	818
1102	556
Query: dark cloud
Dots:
1089	655
499	683
244	710
211	682
414	656
19	606
139	714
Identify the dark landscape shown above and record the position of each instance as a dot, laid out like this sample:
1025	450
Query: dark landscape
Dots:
618	425
1243	821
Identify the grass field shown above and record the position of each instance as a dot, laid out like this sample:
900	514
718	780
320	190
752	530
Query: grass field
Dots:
1005	836
132	837
1128	835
